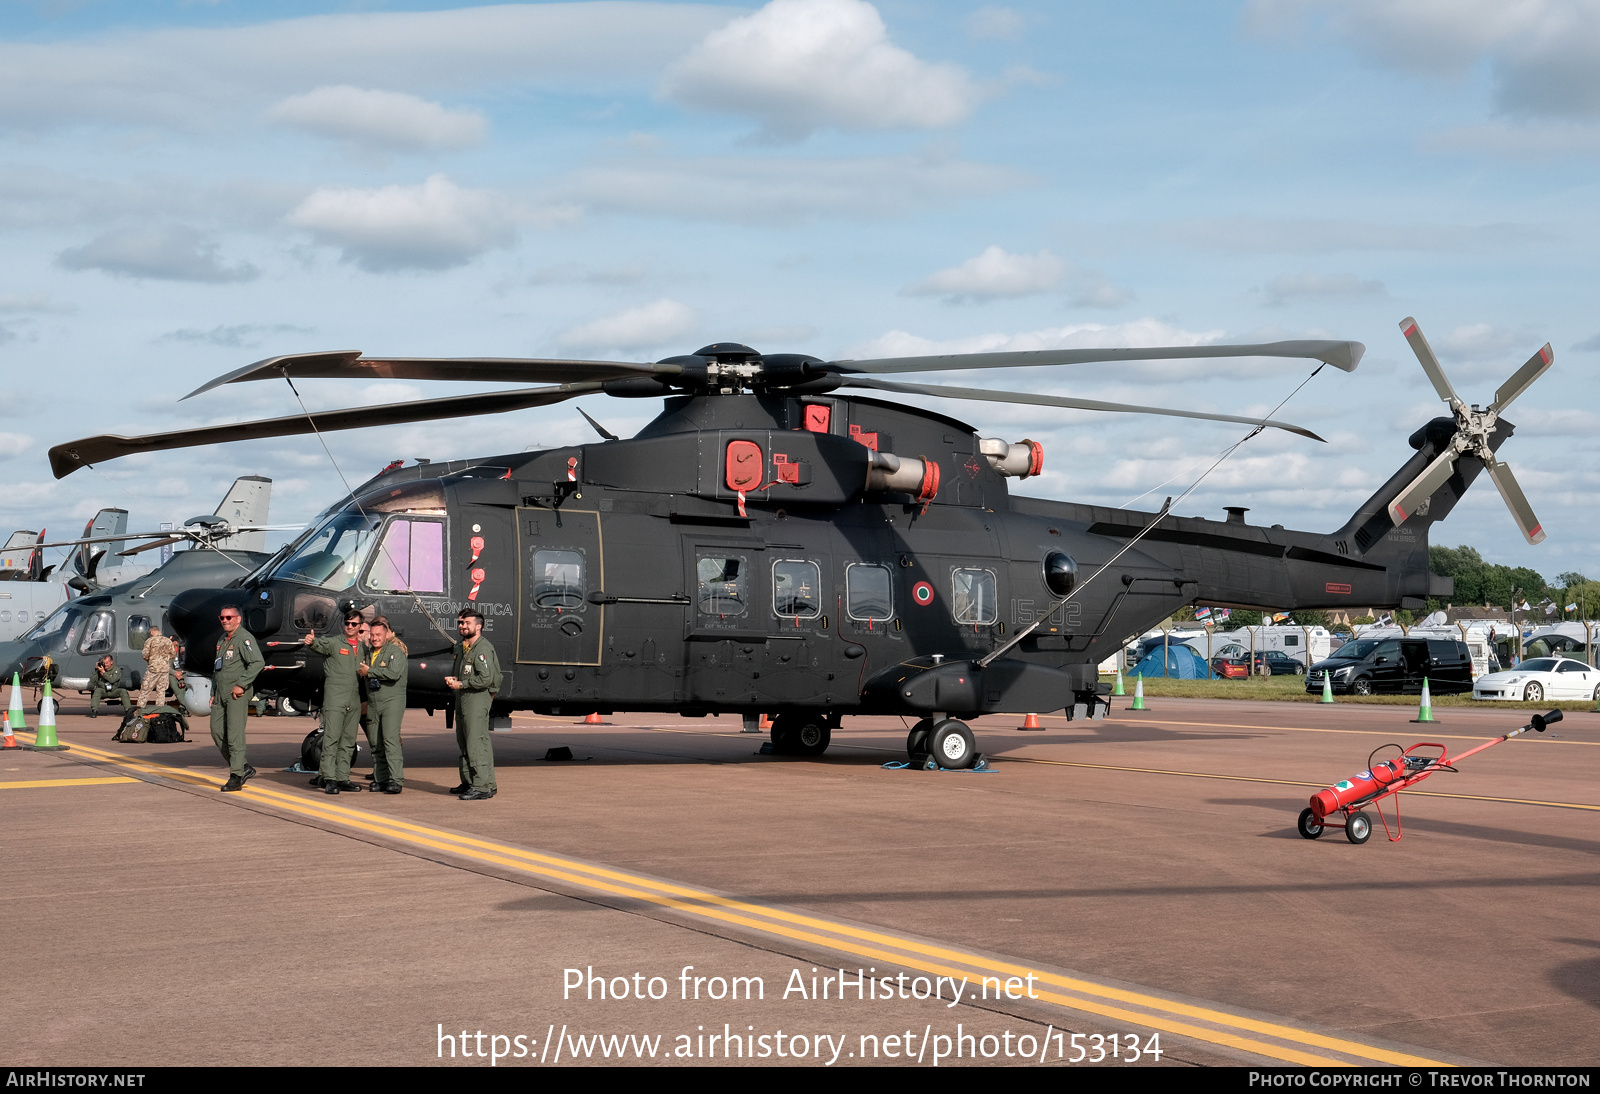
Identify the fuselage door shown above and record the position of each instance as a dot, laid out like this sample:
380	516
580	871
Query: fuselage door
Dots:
561	562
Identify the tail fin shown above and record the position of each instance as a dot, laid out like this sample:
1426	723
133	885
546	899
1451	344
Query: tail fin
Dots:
16	556
86	557
246	503
1370	533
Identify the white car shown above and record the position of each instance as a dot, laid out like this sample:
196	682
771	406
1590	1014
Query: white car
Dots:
1541	679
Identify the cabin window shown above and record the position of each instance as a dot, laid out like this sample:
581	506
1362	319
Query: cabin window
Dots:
796	589
97	634
972	597
138	631
1293	640
722	582
868	593
558	580
334	554
410	558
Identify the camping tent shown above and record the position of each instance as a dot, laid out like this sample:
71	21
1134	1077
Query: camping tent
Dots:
1183	663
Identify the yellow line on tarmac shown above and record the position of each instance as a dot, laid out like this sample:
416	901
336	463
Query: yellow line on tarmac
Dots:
940	960
1291	782
67	782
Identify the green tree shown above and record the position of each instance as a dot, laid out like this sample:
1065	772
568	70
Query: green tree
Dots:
1310	617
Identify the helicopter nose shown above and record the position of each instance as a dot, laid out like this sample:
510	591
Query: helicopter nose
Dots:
12	654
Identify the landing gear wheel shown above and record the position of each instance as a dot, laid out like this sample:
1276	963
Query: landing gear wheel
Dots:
812	738
917	741
1361	685
1358	829
951	744
1308	826
1534	693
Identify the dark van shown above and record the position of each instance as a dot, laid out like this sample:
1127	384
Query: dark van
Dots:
1396	666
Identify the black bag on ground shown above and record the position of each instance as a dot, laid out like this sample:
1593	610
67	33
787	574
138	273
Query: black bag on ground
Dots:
311	751
166	728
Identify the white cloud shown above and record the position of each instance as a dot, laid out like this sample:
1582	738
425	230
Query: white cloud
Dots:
183	76
434	225
993	274
1304	236
1524	140
232	336
996	22
799	65
1310	285
38	302
14	444
170	253
380	119
652	325
781	189
1543	53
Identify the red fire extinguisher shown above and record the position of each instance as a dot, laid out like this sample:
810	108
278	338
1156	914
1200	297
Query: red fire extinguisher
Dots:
1363	784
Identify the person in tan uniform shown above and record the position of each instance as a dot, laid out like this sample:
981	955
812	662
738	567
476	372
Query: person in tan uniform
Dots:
160	653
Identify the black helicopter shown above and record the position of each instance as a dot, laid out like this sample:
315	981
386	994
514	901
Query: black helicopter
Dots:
772	544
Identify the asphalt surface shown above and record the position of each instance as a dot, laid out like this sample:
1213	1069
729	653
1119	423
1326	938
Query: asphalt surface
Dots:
1139	877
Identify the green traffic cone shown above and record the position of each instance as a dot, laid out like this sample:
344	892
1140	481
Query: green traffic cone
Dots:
45	739
1425	709
18	721
1119	690
1138	693
1327	685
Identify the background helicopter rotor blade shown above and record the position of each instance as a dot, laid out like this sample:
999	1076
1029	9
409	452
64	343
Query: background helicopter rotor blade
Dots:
1342	355
989	396
1532	369
350	365
67	458
1430	363
1521	511
1423	486
152	546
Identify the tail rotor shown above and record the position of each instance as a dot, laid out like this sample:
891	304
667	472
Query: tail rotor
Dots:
1473	430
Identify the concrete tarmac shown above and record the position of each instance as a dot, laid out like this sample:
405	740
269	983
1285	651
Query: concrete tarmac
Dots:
1137	882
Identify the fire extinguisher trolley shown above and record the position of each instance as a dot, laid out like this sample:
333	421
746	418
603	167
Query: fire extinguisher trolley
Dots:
1384	779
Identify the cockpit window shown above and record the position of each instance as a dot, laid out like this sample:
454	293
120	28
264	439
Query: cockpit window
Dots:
411	558
60	627
334	553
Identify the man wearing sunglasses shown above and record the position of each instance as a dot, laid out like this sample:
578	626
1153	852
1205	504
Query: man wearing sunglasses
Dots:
341	704
234	671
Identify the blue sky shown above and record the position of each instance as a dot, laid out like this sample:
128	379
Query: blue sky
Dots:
188	187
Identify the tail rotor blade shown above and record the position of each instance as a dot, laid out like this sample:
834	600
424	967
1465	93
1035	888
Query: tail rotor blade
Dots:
1430	363
1521	511
1422	487
1535	367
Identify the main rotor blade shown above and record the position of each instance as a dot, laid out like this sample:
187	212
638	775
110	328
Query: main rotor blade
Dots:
1532	369
1422	487
1430	363
349	364
1343	355
152	546
67	458
1516	501
990	396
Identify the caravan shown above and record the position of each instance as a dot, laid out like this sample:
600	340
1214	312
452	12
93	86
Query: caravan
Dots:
1306	645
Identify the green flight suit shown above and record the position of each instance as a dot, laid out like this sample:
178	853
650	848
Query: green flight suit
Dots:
108	683
238	663
478	669
341	705
386	706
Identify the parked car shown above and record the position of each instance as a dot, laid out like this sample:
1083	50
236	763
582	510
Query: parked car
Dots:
1278	663
1230	668
1541	679
1370	666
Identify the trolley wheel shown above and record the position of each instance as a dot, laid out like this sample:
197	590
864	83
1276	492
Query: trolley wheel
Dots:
917	741
1358	829
1308	826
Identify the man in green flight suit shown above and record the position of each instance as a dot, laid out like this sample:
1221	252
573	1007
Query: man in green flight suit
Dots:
107	681
234	671
341	704
383	667
475	681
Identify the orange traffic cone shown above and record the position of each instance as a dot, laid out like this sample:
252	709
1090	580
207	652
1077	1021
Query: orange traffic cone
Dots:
766	721
1031	722
593	720
9	740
